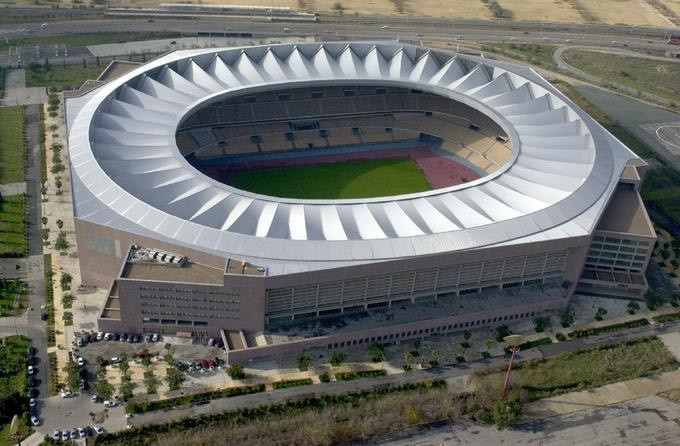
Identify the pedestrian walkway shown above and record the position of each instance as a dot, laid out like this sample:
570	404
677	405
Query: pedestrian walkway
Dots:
13	188
602	396
35	439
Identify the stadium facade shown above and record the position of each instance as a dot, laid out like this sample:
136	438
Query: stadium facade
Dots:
554	209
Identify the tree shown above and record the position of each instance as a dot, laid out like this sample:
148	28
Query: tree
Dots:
507	412
408	360
61	244
337	358
541	324
567	317
124	365
303	362
72	376
174	378
126	388
434	355
44	220
376	352
65	281
501	332
104	390
467	335
151	382
236	371
338	7
146	360
60	223
488	344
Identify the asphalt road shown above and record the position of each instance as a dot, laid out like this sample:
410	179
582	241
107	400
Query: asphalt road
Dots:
36	328
403	29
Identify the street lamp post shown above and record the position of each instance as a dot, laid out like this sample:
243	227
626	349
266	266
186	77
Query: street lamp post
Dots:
513	341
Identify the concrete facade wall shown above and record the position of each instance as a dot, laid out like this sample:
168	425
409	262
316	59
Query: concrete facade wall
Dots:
401	332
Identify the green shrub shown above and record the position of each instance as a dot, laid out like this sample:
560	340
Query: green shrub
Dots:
147	406
284	384
325	377
349	376
560	336
501	332
670	317
608	328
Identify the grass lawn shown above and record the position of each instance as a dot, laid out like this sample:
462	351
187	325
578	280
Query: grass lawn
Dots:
12	152
533	53
353	179
12	225
13	295
586	369
86	39
5	439
58	76
13	383
657	77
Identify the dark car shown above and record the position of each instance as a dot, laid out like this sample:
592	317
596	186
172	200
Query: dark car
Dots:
32	350
131	339
93	337
136	339
33	392
43	316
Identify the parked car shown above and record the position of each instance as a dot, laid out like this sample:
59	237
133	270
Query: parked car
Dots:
136	339
82	432
65	435
123	337
56	435
81	361
31	402
35	421
74	433
131	339
100	335
115	360
155	337
211	342
109	403
66	394
31	370
147	338
98	429
107	336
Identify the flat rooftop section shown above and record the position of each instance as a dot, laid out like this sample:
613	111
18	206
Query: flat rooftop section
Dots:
626	214
189	273
408	313
116	69
243	268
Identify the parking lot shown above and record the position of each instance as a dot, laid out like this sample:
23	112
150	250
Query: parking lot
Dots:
69	413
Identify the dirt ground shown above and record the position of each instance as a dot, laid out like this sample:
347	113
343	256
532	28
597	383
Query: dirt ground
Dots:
630	12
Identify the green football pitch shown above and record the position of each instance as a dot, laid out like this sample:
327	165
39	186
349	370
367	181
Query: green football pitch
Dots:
350	179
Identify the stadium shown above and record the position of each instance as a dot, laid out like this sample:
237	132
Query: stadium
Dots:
330	195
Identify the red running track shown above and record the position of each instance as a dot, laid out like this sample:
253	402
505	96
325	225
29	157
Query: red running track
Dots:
439	171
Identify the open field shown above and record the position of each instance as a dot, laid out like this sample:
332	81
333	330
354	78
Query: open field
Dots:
586	369
352	179
652	76
12	153
13	297
627	12
58	76
12	225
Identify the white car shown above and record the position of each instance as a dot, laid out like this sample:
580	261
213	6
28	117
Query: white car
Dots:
109	403
35	421
107	336
65	435
100	335
31	402
81	432
98	429
56	435
154	338
30	370
81	361
66	394
115	360
95	398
